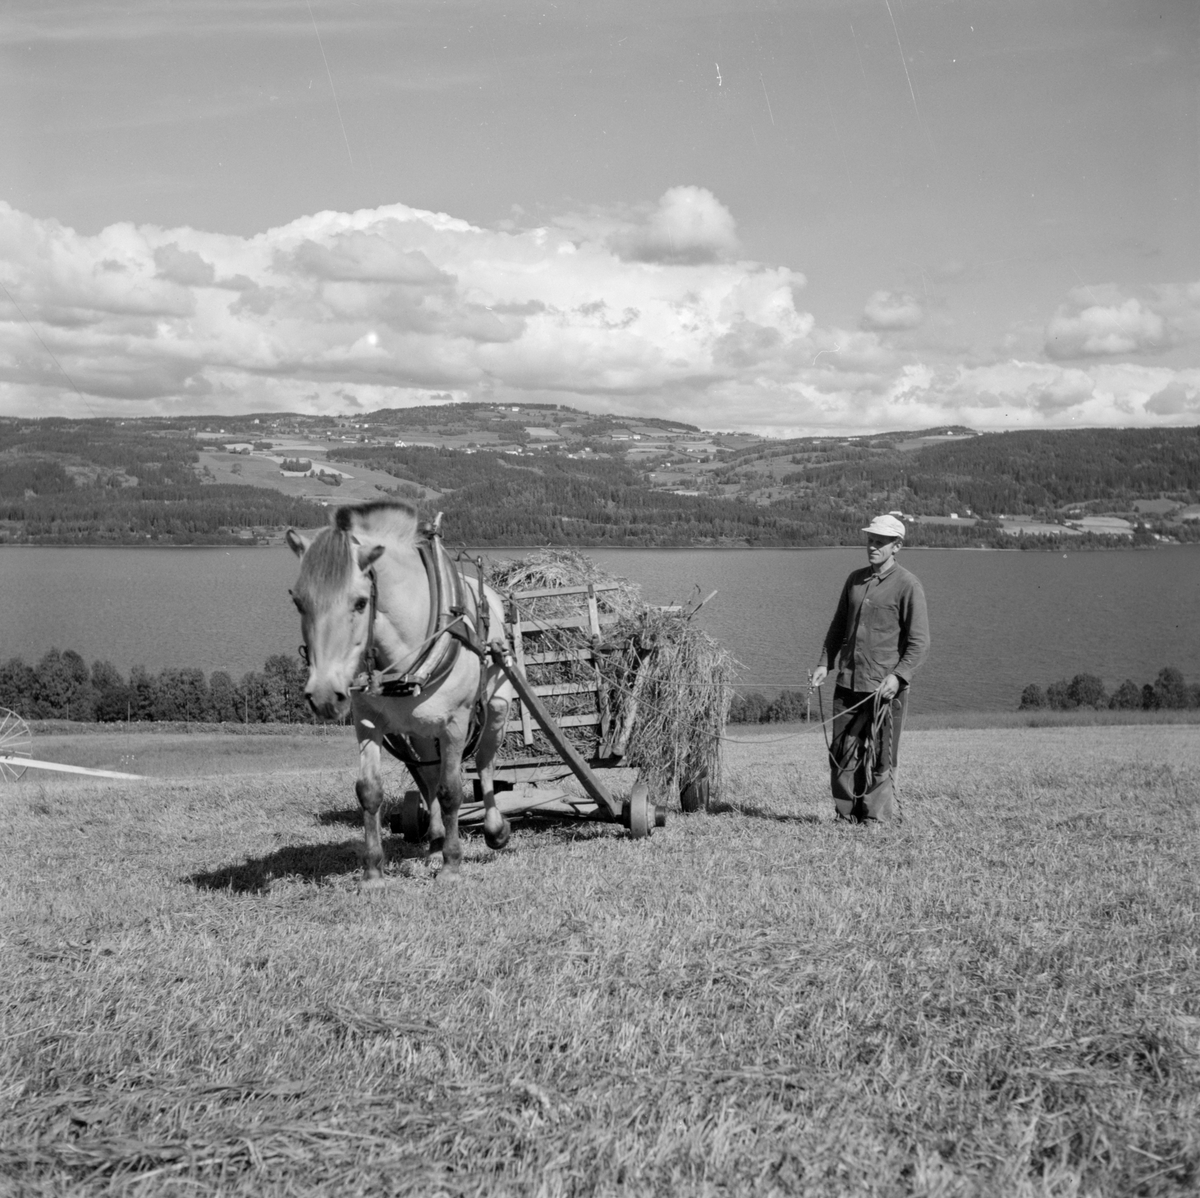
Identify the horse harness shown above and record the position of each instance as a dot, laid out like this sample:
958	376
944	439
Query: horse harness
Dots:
458	619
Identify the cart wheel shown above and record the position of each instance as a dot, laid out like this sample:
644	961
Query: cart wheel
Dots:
641	815
15	741
694	796
414	817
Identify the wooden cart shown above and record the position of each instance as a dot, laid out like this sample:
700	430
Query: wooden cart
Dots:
538	755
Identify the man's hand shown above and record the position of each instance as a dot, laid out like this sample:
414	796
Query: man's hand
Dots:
819	675
889	688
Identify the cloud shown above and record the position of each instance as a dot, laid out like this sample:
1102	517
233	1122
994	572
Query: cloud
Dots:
367	258
635	308
1175	399
1103	321
181	266
892	311
392	297
689	225
1123	329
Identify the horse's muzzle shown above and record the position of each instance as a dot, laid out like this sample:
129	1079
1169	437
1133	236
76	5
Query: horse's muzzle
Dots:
327	702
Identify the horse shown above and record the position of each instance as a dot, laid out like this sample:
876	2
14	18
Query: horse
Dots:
417	681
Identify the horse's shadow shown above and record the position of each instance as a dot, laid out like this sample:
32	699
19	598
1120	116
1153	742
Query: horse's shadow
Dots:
307	862
352	816
316	863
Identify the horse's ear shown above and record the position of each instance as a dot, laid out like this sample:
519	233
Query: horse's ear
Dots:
367	557
297	542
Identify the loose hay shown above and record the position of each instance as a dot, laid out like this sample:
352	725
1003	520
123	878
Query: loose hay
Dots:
664	685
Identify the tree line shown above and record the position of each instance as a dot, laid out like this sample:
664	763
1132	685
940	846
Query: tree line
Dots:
1169	691
61	686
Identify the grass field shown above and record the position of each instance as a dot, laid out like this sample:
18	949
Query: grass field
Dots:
1001	996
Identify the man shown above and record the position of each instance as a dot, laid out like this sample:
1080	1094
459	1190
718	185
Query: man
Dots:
878	638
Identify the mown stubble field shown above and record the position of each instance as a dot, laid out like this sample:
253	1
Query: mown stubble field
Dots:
1002	996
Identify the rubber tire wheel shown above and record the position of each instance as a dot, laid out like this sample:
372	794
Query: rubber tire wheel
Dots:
694	796
414	817
641	811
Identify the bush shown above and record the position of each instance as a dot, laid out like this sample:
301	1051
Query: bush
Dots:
1086	690
748	709
1169	691
113	696
786	708
1170	688
17	684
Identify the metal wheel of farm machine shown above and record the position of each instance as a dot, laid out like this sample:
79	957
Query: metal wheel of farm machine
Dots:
16	742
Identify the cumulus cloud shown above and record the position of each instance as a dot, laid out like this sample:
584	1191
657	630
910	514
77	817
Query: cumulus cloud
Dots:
628	309
689	225
892	311
392	298
181	266
1103	321
1175	399
1124	329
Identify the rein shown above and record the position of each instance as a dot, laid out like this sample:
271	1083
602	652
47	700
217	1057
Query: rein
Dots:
879	718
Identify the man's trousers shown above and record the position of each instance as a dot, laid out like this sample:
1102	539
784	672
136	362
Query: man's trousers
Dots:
865	754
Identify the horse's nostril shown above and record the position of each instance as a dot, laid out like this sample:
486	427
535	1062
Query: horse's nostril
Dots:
340	696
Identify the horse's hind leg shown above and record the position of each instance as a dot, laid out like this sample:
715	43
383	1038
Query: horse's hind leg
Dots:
496	829
369	789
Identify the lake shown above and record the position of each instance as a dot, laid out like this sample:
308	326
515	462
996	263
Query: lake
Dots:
999	620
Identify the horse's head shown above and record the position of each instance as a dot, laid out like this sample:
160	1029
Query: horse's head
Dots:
333	597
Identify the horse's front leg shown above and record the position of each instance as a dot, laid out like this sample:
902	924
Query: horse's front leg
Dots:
369	789
450	798
496	829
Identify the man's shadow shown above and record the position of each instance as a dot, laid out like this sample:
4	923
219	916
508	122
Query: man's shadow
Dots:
750	811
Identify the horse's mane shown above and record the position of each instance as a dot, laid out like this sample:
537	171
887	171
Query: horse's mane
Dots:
384	519
329	557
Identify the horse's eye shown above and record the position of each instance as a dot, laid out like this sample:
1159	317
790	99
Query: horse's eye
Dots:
360	605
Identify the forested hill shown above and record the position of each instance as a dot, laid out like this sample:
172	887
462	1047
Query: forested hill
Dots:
992	474
98	482
491	499
539	474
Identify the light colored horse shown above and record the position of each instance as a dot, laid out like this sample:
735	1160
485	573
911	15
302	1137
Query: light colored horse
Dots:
333	597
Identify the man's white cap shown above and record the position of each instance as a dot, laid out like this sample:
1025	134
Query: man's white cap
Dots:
886	526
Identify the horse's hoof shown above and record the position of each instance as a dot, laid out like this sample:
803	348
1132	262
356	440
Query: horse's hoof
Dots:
498	839
368	885
450	873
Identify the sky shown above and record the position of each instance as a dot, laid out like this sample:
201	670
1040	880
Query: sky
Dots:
806	216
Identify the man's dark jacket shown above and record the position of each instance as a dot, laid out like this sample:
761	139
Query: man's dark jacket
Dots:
880	628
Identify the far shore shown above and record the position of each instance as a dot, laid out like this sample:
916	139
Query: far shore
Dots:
1052	545
927	722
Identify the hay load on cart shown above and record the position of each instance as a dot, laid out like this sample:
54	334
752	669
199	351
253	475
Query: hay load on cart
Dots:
631	685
